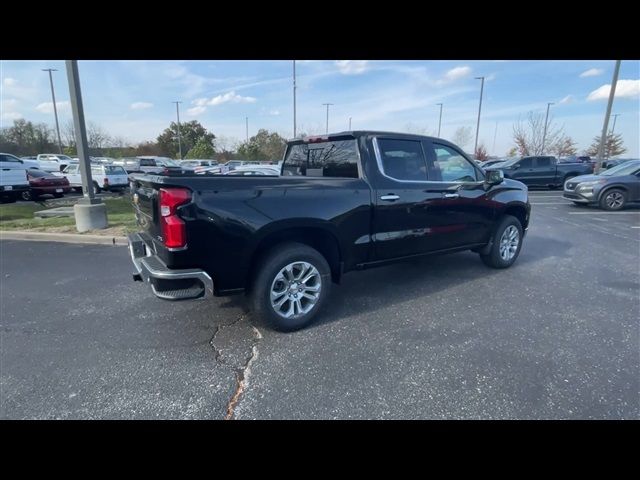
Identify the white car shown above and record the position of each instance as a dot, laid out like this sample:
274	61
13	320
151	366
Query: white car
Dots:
246	170
193	164
105	177
53	162
13	178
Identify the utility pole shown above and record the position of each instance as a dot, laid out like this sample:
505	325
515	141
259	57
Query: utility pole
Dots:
179	134
440	120
603	137
615	117
546	124
349	123
327	104
247	127
90	213
55	108
294	99
475	148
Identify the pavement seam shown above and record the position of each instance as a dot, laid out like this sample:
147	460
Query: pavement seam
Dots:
24	235
242	376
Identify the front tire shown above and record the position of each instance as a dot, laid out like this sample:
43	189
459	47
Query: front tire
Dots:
291	286
26	195
614	199
507	243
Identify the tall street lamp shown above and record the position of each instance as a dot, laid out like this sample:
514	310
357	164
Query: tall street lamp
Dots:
327	104
615	117
603	136
546	125
475	148
294	99
440	120
55	109
179	134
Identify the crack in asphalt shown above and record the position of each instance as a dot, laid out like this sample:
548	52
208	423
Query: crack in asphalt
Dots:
218	351
242	376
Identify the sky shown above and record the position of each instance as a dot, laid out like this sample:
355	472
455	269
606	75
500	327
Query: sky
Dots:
132	99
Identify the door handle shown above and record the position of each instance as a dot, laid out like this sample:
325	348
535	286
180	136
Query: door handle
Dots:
390	197
451	195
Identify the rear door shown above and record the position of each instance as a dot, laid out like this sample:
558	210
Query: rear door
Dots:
544	171
72	172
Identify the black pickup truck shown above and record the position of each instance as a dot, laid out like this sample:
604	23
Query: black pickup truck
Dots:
343	202
541	171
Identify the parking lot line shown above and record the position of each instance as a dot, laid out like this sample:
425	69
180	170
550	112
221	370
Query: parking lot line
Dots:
604	213
634	227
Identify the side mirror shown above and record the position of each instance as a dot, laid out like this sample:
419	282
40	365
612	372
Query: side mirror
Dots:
494	177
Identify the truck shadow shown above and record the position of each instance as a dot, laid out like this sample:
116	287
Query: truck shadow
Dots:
369	290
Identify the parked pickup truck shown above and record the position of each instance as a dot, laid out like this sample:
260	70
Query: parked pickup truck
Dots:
343	202
541	171
53	162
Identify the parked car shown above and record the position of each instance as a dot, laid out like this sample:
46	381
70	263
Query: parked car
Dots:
13	178
130	164
255	170
496	161
351	200
53	162
193	164
233	164
576	159
541	171
611	189
105	177
45	183
102	160
30	162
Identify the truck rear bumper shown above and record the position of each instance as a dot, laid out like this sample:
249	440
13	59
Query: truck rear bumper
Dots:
167	283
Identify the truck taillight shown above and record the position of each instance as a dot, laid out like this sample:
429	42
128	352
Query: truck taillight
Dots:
173	227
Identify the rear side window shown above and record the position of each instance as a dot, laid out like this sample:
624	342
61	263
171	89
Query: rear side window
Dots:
543	162
402	159
9	158
526	163
337	159
147	162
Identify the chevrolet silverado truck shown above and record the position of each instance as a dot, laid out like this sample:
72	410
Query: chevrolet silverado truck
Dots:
541	171
342	202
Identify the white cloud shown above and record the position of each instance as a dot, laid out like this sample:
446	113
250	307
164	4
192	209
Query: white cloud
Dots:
9	82
12	115
196	110
274	112
47	107
592	72
229	97
456	73
624	89
567	99
352	67
141	105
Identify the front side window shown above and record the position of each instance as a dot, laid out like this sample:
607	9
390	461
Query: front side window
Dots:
71	169
451	166
9	158
402	159
114	170
525	163
147	162
337	159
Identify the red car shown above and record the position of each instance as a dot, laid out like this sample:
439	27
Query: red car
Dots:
43	183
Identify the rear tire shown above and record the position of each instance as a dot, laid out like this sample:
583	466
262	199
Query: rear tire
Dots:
507	243
614	199
26	195
295	276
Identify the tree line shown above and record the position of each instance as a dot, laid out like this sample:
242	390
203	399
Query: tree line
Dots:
25	138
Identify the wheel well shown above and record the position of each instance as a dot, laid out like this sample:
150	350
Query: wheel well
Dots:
612	187
519	212
321	240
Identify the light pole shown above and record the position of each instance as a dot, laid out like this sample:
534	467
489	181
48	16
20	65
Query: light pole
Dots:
475	148
603	136
440	120
179	134
247	127
349	123
294	99
546	124
55	108
327	104
615	117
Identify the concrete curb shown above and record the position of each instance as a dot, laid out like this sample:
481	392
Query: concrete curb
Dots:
62	237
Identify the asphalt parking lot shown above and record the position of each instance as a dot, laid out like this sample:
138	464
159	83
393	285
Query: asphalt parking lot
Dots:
555	336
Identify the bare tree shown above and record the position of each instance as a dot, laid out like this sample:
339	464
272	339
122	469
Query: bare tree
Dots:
97	138
69	134
529	136
564	147
462	136
481	153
